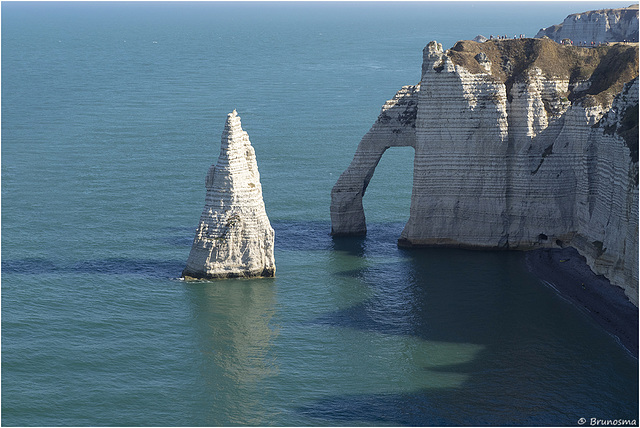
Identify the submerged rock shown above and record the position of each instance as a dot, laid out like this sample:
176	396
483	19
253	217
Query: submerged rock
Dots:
234	237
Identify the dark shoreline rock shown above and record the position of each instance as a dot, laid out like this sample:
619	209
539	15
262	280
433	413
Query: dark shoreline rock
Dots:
568	273
198	276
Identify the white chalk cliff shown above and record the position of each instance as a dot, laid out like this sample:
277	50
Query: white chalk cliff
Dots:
234	237
605	25
519	144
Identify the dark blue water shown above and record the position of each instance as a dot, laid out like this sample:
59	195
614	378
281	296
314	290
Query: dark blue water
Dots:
111	116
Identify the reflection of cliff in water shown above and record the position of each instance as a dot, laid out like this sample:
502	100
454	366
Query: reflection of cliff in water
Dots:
235	334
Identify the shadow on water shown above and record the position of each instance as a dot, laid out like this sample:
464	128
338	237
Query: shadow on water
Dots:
290	236
315	236
302	235
352	245
109	266
483	342
535	362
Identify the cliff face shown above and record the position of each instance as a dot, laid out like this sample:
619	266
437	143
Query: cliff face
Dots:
234	237
607	25
519	144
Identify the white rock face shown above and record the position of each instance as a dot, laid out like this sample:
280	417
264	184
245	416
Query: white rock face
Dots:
234	237
608	202
504	160
607	25
395	127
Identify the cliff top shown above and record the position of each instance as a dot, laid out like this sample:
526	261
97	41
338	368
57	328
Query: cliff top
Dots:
607	68
602	25
616	9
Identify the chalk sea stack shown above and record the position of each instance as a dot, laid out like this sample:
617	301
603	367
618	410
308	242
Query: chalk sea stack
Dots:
519	144
234	238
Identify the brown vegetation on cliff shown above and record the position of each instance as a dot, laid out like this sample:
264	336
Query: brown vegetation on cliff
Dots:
607	68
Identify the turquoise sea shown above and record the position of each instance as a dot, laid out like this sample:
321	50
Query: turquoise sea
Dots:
111	116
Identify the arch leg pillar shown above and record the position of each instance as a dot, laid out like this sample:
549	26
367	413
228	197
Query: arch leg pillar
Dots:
395	127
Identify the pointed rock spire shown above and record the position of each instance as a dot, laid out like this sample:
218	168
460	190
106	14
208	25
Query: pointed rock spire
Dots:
234	237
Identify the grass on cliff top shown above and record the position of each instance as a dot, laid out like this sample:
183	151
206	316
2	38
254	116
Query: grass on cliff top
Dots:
608	68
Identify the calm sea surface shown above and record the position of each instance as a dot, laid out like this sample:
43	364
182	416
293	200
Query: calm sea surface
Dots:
111	116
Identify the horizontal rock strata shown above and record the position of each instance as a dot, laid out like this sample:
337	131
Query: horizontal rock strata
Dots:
234	237
395	127
606	25
519	144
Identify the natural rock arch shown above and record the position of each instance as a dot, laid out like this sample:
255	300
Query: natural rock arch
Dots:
511	152
395	127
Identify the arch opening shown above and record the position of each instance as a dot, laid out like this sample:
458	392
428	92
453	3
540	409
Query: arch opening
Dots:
387	198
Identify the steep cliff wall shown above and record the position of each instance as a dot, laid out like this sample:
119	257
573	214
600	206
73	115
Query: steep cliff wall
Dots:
519	144
606	25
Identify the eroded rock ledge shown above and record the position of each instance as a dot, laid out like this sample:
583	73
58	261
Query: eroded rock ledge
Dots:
519	144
